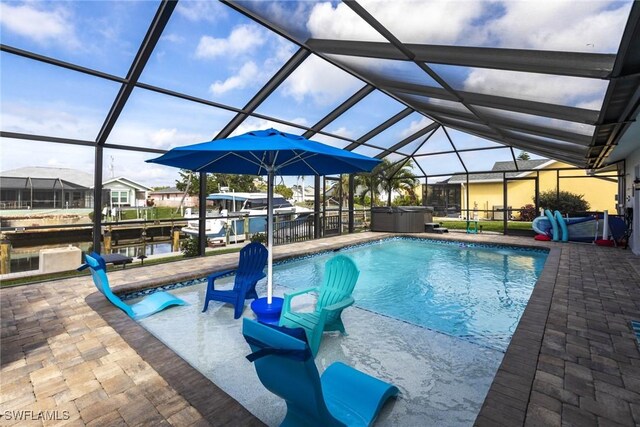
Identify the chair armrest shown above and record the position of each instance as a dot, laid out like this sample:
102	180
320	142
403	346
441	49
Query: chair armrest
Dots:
286	306
340	305
212	277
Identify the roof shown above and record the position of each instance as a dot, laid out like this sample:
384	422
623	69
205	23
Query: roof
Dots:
38	183
523	165
170	190
128	182
72	176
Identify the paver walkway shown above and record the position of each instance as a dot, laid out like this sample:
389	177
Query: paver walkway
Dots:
573	359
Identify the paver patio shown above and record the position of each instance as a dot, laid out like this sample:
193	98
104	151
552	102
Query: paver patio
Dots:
573	359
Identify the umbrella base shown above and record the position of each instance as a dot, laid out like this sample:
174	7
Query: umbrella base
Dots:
268	313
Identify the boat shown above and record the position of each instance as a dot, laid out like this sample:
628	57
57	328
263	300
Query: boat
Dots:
241	215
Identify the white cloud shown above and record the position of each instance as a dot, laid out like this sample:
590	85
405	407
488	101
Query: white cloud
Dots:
15	153
586	26
328	140
538	87
246	76
201	10
414	127
412	21
589	26
323	82
154	137
340	23
173	38
253	123
343	131
41	26
243	39
50	119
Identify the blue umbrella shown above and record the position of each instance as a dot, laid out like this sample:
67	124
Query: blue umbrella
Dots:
266	152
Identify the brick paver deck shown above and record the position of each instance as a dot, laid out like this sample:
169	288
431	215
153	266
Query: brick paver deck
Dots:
573	359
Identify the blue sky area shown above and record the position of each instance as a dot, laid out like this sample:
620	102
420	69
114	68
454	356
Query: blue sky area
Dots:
212	52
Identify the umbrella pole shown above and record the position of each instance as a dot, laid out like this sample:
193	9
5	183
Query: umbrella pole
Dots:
270	236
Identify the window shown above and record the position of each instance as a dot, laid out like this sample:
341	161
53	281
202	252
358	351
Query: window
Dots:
119	197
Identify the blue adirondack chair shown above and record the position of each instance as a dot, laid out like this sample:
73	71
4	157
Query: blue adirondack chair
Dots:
253	258
151	304
285	366
341	275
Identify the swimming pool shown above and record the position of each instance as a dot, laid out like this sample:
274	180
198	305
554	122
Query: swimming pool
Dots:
472	292
443	364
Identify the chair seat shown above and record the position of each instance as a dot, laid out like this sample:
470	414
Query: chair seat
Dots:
153	303
305	320
149	305
353	397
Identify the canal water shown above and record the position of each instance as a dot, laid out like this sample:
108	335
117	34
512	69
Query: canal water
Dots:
27	259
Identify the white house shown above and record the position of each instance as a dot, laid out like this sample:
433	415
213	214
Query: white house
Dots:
302	196
124	192
172	197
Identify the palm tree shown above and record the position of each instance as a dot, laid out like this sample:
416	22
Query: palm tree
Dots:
388	177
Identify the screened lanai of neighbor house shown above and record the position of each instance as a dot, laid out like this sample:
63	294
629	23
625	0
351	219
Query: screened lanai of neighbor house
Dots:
477	109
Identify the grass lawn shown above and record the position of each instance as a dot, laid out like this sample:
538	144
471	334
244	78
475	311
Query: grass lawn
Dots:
487	225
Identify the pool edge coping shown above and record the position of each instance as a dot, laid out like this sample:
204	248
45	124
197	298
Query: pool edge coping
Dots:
508	397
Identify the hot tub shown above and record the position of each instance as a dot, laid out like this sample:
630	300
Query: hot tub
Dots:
400	219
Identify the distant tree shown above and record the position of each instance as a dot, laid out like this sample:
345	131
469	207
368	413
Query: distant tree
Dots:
190	182
162	187
284	191
563	201
389	177
358	181
405	200
523	156
244	183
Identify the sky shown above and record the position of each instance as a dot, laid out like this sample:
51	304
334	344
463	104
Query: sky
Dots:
212	52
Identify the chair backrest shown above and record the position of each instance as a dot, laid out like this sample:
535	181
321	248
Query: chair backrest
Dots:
99	273
340	277
289	372
253	258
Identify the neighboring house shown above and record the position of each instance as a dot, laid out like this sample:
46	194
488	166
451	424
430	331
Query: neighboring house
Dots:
124	192
486	189
64	188
444	197
302	196
45	188
171	197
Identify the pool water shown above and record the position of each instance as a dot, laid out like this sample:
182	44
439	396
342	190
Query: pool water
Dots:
470	292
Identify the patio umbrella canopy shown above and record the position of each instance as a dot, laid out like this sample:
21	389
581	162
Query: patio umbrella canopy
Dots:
266	152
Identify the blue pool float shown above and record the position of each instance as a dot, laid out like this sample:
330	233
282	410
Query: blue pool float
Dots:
554	224
563	226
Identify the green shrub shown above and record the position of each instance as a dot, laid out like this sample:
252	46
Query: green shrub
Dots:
190	247
260	238
564	201
528	213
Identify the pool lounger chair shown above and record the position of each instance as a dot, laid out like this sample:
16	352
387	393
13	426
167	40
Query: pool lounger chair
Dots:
151	304
285	366
340	277
253	258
